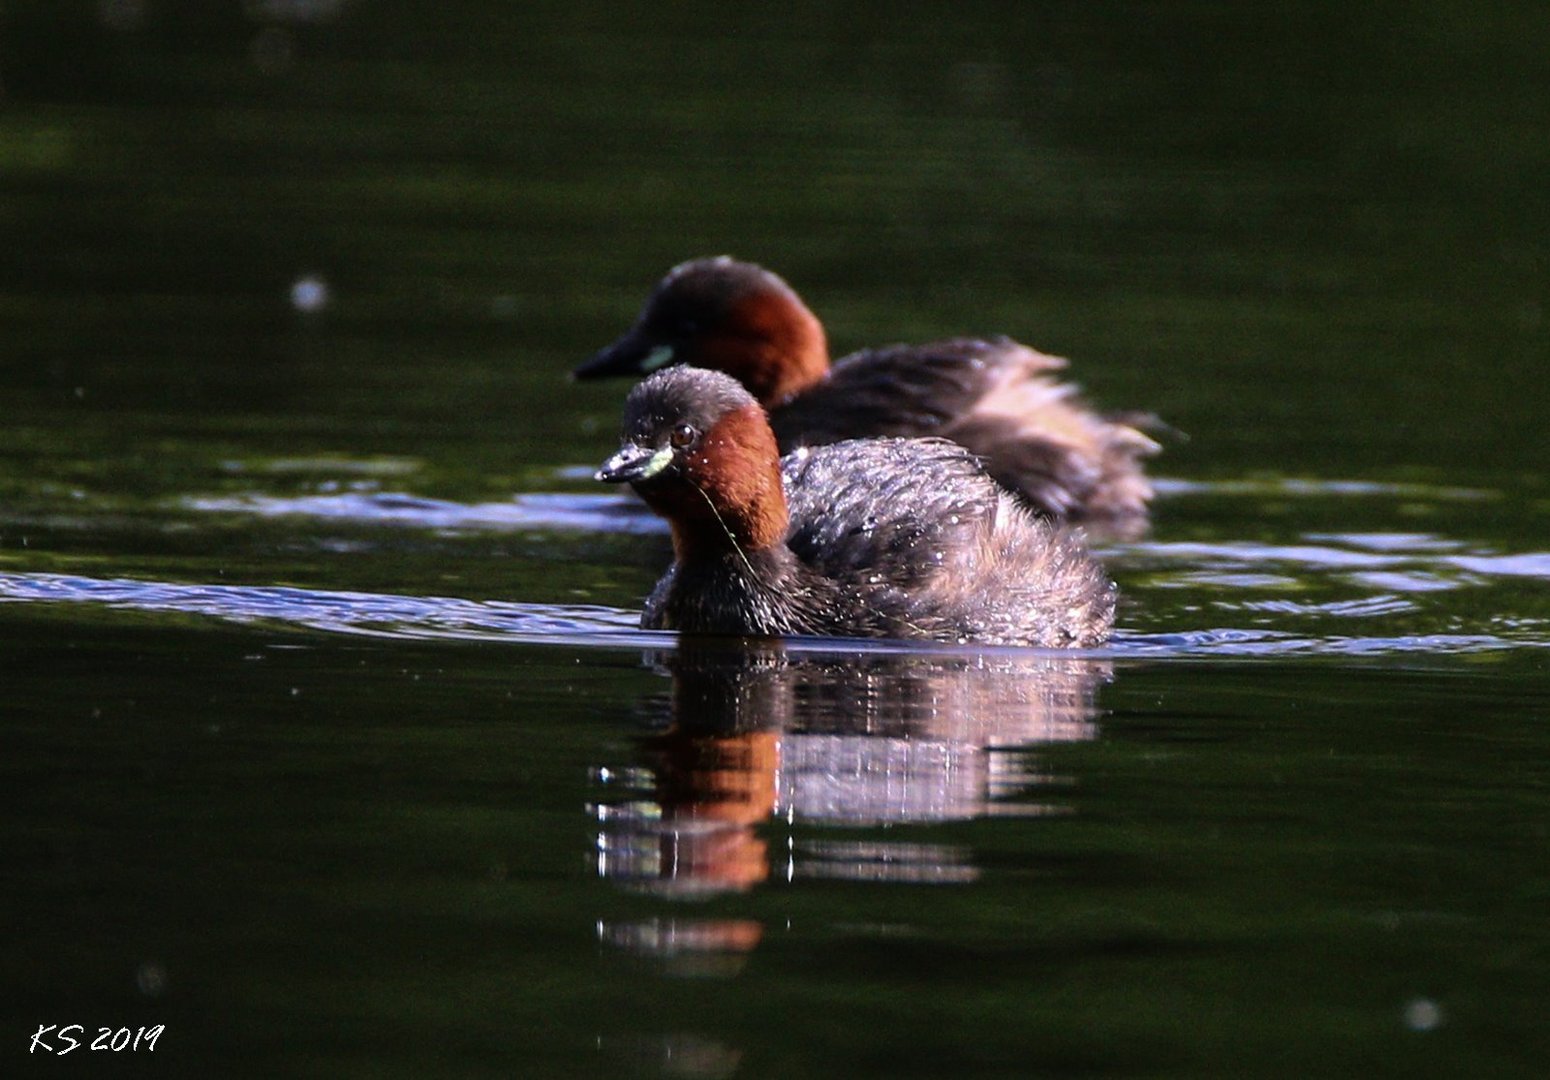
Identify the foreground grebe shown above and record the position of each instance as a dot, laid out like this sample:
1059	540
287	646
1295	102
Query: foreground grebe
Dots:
995	397
904	538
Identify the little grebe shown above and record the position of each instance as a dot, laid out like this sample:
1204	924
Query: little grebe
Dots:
903	538
994	396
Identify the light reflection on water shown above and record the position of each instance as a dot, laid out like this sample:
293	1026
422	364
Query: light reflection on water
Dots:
617	513
1310	487
1425	555
431	617
406	617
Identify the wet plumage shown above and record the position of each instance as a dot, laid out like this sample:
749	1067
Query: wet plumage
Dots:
903	538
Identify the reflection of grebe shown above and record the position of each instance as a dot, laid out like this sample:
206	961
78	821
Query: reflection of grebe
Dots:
834	739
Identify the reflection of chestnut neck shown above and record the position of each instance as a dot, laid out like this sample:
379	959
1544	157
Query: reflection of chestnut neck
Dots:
714	791
728	778
734	858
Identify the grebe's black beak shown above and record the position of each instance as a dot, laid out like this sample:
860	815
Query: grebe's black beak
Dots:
633	463
633	354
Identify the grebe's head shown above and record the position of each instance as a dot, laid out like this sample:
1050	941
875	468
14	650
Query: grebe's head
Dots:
698	448
728	316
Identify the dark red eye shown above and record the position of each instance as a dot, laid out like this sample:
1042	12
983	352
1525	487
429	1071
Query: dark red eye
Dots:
682	436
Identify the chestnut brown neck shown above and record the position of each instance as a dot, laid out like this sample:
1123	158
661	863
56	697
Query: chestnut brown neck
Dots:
772	344
730	495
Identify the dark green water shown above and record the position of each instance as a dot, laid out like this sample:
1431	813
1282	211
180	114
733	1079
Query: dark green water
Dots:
330	747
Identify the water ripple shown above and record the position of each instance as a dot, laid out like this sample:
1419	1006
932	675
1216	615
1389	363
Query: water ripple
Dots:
340	612
1271	643
1314	488
1396	561
618	513
433	617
